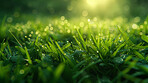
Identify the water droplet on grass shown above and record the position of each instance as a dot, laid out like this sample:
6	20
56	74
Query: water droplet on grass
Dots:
30	35
97	51
118	60
37	32
51	28
31	32
21	71
43	54
140	33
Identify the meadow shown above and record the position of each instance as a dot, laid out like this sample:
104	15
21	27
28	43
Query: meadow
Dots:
74	41
71	51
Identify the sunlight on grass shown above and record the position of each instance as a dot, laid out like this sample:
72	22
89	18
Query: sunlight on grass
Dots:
73	41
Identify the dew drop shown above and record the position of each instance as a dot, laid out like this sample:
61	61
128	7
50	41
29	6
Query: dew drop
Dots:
21	71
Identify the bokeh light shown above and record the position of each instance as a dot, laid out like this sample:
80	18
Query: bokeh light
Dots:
95	3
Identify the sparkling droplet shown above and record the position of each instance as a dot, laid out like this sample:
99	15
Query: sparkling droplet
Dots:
31	32
21	71
30	35
97	51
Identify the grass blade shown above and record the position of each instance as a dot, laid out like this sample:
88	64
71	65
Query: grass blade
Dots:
58	72
28	56
82	40
66	46
139	55
114	54
15	39
78	42
145	38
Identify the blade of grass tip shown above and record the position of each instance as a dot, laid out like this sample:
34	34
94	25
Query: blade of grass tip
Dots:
141	47
53	48
3	41
62	53
3	46
99	42
28	56
138	46
7	52
95	43
9	49
49	49
3	55
20	49
128	58
36	41
120	46
3	21
51	41
145	38
143	67
78	42
106	48
139	55
82	40
132	78
130	66
15	38
66	46
60	48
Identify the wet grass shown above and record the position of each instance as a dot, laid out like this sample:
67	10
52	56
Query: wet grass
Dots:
74	51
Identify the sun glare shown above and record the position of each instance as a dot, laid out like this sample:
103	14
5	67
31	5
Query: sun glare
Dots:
92	3
95	3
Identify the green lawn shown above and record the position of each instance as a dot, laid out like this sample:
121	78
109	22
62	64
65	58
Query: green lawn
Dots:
74	50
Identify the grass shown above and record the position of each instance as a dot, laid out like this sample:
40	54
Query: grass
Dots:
69	51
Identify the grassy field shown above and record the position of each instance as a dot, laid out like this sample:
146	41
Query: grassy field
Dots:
67	50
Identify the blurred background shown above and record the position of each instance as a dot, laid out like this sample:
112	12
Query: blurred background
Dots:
76	8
